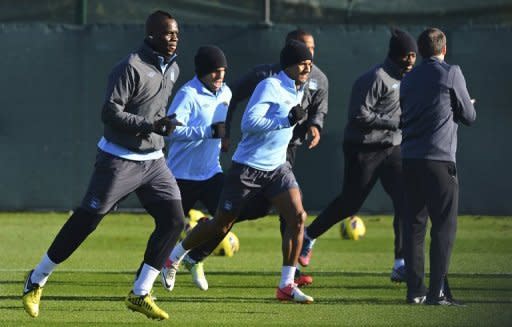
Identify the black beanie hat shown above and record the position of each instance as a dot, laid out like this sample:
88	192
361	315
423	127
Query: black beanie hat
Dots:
208	59
293	53
401	43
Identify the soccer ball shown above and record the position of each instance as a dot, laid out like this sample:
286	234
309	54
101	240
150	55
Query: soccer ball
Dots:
229	246
352	228
194	217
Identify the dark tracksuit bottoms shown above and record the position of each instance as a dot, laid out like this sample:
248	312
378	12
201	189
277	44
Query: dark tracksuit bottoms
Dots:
434	185
364	165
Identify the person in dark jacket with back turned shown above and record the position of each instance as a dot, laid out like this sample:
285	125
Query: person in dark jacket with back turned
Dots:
434	101
372	147
130	159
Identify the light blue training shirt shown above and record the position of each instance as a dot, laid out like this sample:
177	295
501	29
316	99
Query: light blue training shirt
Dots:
266	130
193	153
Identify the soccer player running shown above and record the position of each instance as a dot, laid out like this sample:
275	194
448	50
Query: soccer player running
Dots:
129	159
259	165
307	130
194	148
371	147
434	101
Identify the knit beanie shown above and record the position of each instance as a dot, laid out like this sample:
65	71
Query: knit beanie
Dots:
293	53
401	43
208	59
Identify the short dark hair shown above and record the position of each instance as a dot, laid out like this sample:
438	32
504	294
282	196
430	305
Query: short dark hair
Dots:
431	42
155	17
297	35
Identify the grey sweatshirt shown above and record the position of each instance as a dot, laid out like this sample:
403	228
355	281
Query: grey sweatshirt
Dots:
434	100
315	100
138	93
374	107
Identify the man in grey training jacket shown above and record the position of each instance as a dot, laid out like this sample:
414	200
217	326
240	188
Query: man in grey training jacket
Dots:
129	159
434	101
372	147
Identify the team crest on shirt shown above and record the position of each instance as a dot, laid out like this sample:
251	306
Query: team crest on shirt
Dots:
313	84
396	85
228	205
94	203
151	74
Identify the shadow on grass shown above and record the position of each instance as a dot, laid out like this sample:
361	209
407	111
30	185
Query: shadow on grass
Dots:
277	273
234	299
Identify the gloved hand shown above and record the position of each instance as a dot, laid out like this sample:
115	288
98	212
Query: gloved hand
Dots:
218	130
165	126
296	114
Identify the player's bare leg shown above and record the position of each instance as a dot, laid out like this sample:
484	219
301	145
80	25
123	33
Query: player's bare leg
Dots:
289	206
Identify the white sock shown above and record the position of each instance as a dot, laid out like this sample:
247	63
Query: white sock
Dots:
287	276
43	270
311	240
144	282
178	253
398	263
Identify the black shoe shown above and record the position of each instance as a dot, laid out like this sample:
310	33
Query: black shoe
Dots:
444	301
416	300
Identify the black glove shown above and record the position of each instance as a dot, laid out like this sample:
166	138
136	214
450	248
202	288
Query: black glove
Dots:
296	114
165	126
218	130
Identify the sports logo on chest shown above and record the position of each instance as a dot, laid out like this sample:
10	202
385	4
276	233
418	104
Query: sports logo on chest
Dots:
313	84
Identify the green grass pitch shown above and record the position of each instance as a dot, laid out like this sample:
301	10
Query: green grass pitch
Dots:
351	286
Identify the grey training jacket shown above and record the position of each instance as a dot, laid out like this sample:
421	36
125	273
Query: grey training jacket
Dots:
374	107
138	93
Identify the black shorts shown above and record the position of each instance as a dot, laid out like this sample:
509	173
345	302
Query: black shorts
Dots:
243	182
207	192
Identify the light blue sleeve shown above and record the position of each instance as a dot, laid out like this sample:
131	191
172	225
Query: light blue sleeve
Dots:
183	105
256	117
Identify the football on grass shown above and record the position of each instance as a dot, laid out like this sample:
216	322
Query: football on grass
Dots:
352	228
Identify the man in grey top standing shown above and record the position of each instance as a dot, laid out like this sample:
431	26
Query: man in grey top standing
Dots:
130	159
434	100
371	147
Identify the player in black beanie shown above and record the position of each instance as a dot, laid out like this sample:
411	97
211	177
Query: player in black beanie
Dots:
210	65
371	148
293	53
208	59
402	47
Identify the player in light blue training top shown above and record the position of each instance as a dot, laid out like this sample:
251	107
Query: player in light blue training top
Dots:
260	166
201	107
266	129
